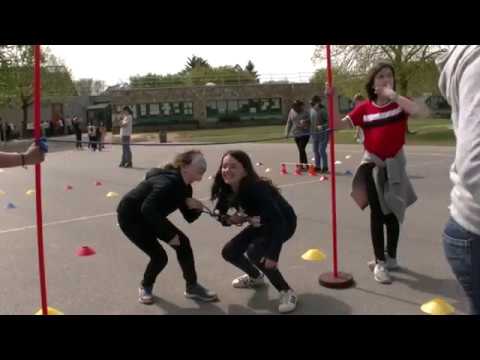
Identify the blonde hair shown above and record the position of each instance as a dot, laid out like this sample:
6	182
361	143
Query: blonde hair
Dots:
186	158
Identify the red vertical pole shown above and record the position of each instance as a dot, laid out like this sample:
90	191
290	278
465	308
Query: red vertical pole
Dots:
332	160
38	178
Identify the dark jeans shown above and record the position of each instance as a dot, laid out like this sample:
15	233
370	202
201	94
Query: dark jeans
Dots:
78	136
320	142
145	238
462	250
302	142
377	222
251	241
126	152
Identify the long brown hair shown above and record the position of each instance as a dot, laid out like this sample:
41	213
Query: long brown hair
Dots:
242	157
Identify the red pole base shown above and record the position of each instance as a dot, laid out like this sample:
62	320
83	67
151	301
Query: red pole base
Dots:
342	281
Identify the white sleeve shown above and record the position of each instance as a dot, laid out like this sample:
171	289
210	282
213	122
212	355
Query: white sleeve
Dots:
467	160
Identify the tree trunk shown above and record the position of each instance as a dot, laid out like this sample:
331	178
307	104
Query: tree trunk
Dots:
23	128
402	85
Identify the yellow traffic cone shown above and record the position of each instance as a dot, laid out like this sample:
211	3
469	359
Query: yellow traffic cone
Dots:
314	255
437	306
50	311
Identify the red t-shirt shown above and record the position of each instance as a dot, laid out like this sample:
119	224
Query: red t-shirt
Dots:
383	126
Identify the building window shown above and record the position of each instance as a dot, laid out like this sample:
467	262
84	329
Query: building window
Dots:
232	106
222	106
276	104
154	109
143	109
166	109
188	108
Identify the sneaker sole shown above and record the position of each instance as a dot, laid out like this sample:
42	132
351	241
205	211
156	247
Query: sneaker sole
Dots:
287	311
249	287
146	302
383	281
201	298
389	268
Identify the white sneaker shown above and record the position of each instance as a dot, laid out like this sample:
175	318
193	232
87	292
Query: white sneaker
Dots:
246	282
390	263
288	301
380	273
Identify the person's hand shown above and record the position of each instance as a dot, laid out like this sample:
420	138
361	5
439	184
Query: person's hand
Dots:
386	92
254	221
33	155
237	219
268	263
194	204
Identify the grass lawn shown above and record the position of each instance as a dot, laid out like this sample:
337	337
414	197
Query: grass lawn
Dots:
427	132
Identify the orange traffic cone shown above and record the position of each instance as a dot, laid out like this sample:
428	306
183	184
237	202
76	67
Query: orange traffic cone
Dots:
283	169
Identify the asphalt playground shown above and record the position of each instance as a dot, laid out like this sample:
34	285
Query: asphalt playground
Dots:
106	283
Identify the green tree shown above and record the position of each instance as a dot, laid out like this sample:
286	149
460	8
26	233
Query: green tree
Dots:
408	60
196	61
16	78
87	87
251	69
346	83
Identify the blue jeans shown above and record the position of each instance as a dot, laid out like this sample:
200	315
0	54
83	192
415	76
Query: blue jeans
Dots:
462	249
320	142
126	152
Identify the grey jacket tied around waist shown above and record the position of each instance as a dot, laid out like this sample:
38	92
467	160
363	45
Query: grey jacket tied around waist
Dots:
394	189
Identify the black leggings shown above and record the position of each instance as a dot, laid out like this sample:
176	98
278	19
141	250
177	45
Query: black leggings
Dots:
378	220
143	236
251	241
302	142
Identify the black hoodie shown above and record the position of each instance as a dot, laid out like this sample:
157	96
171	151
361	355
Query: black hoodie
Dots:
161	193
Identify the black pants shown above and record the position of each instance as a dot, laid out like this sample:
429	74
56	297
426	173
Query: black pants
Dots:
78	136
378	220
302	142
251	241
143	236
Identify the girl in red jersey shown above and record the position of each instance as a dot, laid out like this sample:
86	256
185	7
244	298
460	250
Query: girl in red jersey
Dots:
381	180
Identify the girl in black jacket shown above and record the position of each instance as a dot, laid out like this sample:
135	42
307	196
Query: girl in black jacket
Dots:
142	216
272	222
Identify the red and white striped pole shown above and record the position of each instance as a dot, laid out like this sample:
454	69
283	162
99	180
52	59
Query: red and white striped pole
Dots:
333	279
38	177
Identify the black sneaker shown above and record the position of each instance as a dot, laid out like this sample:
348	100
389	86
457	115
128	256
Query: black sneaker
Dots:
198	292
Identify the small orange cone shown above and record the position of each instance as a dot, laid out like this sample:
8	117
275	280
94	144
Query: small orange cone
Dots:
69	187
283	169
311	170
98	183
298	170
